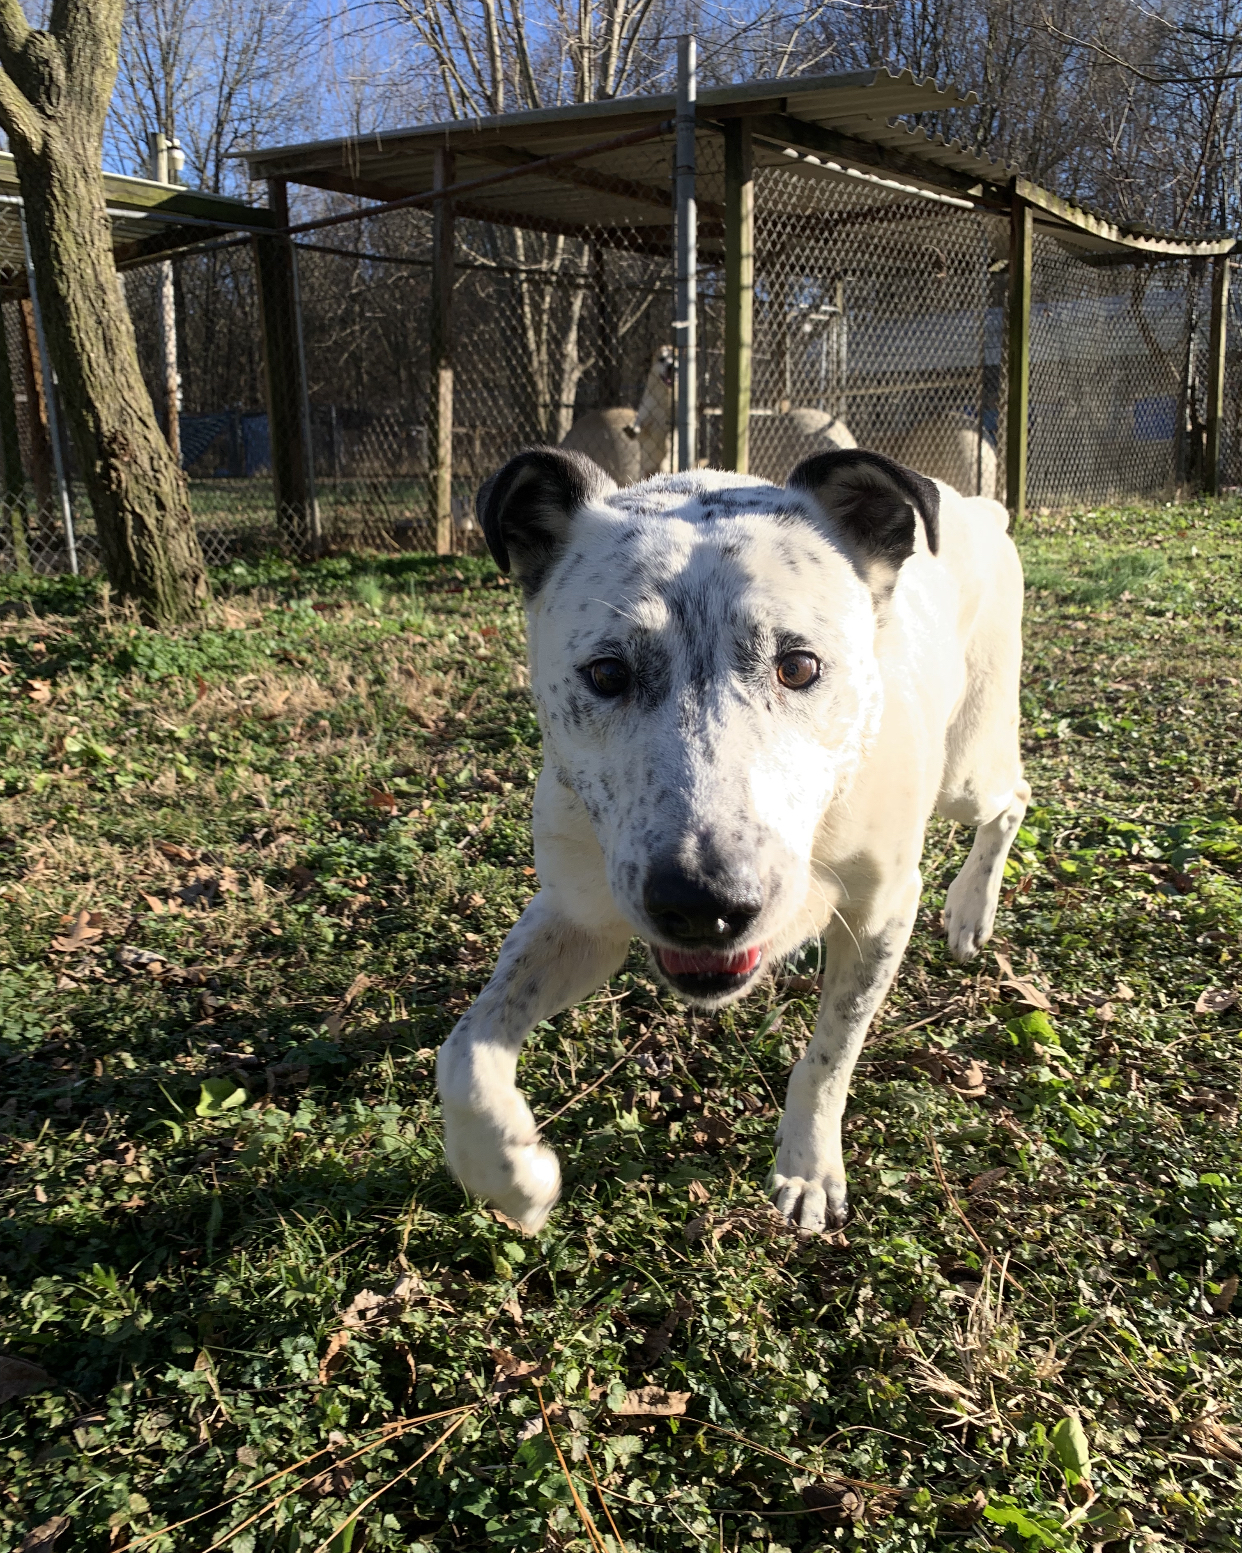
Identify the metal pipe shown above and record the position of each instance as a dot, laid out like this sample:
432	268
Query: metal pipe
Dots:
686	324
49	396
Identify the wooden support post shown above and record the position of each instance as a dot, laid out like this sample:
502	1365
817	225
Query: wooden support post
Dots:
297	512
440	389
1021	252
1217	342
739	291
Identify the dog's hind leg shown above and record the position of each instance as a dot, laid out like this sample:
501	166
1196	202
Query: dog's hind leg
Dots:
970	904
490	1136
860	960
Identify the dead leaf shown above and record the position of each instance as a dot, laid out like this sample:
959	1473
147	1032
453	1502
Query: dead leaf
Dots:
371	1310
86	928
334	1357
513	1309
1216	1000
200	689
159	907
695	1229
377	798
19	1377
986	1181
1214	1438
964	1513
654	1402
697	1192
964	1076
43	1538
300	877
838	1506
1027	991
503	1218
512	1372
40	691
333	1483
356	988
176	852
141	961
1124	993
1105	1012
1222	1301
713	1131
656	1341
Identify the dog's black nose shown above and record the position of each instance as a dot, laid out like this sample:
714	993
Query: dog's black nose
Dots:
692	911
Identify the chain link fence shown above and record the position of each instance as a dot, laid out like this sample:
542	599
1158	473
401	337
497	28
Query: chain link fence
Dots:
1118	388
879	320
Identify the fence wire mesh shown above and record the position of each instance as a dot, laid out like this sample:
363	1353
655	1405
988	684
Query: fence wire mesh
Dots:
307	416
878	323
1118	377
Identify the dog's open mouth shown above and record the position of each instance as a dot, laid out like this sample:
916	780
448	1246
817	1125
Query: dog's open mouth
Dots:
709	973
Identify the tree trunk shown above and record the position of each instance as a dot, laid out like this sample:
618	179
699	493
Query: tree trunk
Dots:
53	101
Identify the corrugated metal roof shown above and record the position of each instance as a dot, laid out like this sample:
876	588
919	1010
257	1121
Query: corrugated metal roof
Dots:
145	216
852	120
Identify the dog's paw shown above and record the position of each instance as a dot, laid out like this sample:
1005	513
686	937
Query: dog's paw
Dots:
969	915
523	1179
810	1206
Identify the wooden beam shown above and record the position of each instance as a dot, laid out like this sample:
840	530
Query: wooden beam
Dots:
440	388
739	291
1021	249
296	513
1217	343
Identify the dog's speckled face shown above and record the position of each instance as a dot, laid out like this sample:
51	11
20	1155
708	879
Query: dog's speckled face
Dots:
702	656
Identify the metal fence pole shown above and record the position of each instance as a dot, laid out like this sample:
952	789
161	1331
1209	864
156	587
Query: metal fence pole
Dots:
687	258
739	292
161	171
53	409
1021	252
1216	371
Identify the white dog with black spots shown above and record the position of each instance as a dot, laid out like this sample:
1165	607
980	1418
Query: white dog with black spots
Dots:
752	697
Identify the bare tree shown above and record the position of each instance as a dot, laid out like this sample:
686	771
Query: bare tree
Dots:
55	87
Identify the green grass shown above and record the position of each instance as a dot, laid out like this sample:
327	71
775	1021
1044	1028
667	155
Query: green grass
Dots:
217	1137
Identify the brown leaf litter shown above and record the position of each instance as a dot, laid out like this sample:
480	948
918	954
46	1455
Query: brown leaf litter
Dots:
86	928
964	1075
1024	989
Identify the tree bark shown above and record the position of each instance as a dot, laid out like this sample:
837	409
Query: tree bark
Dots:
54	95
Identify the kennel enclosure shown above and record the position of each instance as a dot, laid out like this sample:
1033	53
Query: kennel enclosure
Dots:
447	293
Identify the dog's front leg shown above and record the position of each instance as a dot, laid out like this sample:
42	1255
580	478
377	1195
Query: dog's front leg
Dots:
860	960
490	1137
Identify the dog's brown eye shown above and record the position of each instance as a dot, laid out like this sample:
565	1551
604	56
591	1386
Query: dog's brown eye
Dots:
609	676
797	670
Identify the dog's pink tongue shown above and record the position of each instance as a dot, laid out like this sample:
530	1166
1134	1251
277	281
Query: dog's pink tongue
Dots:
706	962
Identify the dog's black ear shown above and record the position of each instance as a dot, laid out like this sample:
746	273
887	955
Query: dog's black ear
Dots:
877	502
526	509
